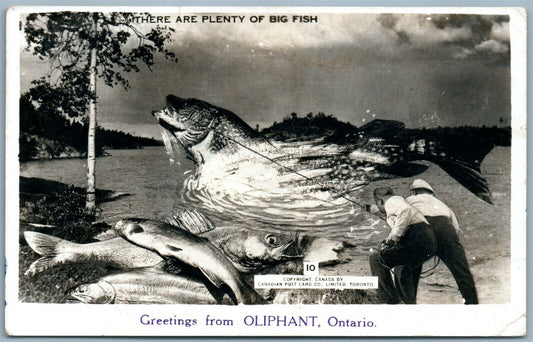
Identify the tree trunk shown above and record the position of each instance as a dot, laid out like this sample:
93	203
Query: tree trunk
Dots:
90	206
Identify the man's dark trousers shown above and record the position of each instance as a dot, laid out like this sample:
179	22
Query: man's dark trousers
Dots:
414	247
451	252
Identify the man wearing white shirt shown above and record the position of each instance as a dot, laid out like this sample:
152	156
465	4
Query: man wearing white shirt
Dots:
446	230
410	242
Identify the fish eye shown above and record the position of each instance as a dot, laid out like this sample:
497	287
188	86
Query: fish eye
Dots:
271	239
82	289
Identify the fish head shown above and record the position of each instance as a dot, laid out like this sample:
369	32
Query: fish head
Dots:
95	293
146	233
187	120
252	251
129	226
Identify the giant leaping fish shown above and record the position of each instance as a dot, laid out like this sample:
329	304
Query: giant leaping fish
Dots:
378	150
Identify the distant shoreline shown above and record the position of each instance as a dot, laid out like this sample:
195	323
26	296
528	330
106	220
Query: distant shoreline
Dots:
84	156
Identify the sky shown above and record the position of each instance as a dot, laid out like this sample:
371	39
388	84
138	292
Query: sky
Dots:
424	70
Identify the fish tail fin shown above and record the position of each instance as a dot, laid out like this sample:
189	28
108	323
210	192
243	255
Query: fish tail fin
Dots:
460	152
49	247
468	176
242	292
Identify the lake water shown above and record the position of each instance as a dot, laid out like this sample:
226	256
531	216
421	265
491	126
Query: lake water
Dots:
154	186
159	189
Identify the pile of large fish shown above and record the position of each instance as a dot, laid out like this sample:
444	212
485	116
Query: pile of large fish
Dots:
187	260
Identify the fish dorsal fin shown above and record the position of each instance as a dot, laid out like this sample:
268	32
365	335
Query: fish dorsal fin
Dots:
192	221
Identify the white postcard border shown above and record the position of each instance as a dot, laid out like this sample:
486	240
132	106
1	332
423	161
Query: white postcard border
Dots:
427	320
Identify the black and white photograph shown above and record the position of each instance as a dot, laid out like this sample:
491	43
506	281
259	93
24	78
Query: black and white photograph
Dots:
290	171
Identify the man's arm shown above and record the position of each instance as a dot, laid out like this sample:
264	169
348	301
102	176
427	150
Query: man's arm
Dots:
374	210
455	222
398	222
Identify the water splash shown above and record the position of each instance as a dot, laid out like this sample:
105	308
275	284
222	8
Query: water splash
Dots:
245	187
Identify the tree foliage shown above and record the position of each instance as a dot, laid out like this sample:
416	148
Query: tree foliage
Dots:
84	46
65	39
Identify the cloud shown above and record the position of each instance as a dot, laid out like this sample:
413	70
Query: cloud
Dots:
344	65
496	42
331	29
464	35
423	32
500	32
420	31
463	53
492	46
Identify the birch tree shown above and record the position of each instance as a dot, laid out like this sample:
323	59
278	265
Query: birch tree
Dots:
82	47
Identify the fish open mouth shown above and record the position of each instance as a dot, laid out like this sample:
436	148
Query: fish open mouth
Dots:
172	129
278	253
77	295
276	256
163	120
173	134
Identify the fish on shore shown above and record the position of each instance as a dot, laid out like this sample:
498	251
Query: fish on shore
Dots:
148	286
252	251
249	251
116	252
191	250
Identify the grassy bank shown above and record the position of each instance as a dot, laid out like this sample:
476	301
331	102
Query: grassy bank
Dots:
56	209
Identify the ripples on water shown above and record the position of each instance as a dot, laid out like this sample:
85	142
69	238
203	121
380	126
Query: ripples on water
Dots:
241	188
251	189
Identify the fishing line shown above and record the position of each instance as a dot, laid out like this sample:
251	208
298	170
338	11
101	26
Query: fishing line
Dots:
430	271
299	174
288	168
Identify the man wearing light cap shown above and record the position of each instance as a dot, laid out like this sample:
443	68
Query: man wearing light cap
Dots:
446	229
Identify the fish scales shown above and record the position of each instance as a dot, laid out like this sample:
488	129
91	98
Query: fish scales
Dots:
146	287
159	288
116	252
381	149
190	249
248	250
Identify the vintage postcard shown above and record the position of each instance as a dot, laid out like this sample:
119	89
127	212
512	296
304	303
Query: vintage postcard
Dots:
228	171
